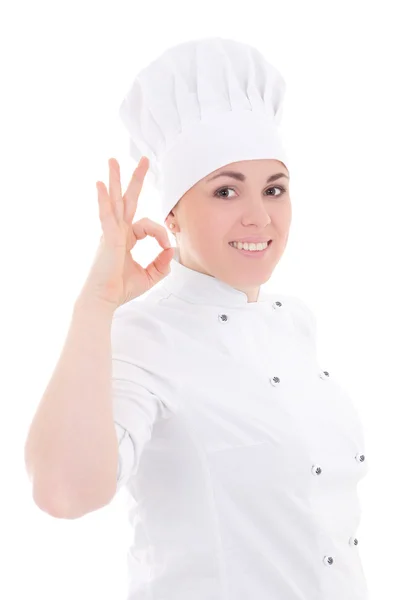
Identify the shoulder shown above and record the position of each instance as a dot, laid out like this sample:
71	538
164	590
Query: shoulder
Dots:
138	327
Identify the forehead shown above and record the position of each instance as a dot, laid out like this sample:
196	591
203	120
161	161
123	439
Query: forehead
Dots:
266	166
256	162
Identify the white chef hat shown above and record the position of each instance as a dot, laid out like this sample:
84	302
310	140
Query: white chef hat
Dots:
201	105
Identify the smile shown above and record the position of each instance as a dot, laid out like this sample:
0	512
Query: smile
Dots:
253	253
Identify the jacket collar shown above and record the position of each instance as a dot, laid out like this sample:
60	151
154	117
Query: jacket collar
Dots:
199	288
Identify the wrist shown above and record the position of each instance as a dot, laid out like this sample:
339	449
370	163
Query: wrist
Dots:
91	305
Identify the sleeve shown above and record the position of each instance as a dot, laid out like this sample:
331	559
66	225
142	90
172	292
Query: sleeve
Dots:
135	410
125	455
143	386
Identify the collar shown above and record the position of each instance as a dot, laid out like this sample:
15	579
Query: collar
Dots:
199	288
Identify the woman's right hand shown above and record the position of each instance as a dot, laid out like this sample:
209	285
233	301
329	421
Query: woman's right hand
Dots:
115	278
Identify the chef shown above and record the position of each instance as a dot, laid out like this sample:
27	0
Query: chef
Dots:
240	451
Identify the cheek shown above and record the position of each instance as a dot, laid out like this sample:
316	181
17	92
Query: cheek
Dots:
212	228
212	235
282	219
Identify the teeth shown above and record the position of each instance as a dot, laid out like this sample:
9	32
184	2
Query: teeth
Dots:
246	246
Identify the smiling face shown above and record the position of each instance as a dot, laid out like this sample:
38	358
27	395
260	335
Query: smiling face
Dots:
219	210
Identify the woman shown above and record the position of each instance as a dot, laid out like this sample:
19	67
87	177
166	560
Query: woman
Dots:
240	451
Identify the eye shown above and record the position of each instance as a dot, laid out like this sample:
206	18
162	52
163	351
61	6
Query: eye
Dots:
275	187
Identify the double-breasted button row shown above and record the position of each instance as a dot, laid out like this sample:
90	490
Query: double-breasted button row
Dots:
315	469
275	380
223	317
329	560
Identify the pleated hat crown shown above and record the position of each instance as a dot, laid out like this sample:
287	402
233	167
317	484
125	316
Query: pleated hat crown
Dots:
201	105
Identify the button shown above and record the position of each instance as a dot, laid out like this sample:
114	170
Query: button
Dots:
360	457
353	541
316	470
328	560
223	317
324	374
274	380
277	304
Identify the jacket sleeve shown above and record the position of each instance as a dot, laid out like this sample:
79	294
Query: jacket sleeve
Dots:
126	455
143	385
135	410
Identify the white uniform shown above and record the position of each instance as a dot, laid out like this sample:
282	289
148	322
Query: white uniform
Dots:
240	450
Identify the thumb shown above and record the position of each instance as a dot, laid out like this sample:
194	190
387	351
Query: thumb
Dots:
160	267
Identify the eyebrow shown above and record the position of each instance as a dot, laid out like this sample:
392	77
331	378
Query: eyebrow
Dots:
241	177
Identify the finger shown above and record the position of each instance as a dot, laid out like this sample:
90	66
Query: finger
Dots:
160	267
134	188
106	211
114	187
146	227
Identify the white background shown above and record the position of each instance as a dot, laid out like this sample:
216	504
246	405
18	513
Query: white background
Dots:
65	68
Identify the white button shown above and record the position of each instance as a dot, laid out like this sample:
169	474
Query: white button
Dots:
277	304
274	380
328	560
316	470
360	457
223	317
353	541
324	374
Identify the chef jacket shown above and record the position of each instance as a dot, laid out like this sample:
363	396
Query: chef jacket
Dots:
240	452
